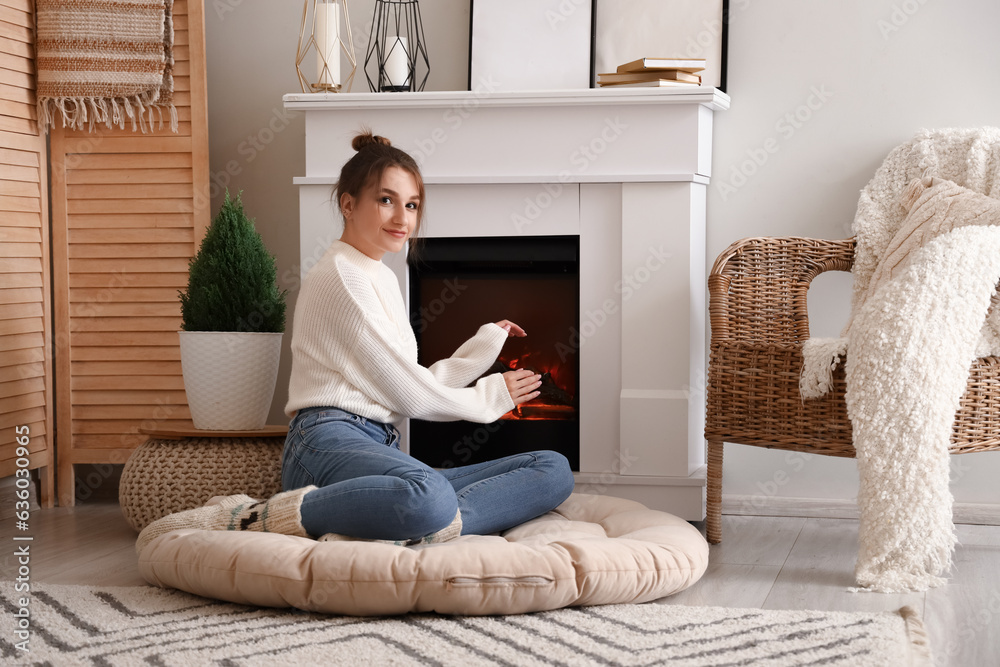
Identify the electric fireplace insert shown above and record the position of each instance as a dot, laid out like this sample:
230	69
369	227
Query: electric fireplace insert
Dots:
459	284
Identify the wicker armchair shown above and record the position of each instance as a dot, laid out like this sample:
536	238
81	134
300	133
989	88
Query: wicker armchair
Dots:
759	321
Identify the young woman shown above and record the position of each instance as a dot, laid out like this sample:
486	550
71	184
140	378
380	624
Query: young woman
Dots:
355	374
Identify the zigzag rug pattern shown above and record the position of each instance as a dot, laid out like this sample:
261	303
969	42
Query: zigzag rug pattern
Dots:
82	625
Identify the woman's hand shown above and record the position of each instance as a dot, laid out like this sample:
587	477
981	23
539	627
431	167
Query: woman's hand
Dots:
522	385
512	329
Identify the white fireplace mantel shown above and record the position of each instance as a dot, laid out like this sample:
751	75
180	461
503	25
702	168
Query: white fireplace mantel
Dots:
624	169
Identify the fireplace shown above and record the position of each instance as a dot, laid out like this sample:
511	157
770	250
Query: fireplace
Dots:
458	284
622	171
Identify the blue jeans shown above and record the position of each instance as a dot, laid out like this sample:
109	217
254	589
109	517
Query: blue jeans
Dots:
370	489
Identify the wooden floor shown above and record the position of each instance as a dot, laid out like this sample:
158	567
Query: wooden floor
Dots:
764	562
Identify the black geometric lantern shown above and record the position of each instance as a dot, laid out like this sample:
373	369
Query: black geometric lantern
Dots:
396	47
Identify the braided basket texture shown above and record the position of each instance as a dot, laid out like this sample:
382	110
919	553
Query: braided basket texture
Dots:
166	476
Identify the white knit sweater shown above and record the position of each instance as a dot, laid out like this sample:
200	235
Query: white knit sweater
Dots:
353	348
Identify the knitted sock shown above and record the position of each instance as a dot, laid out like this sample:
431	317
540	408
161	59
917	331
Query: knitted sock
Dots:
446	534
279	514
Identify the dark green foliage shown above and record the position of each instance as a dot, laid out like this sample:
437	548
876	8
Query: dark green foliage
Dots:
232	281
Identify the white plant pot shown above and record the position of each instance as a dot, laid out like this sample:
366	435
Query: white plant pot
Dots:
229	377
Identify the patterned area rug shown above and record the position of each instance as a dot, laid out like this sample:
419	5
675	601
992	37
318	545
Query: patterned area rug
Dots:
82	625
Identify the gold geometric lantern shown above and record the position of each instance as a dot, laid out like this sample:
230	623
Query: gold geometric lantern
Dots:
324	40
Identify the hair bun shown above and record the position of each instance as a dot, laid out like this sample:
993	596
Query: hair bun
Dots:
366	138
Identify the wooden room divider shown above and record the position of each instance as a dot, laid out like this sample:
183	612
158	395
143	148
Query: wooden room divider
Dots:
25	322
128	212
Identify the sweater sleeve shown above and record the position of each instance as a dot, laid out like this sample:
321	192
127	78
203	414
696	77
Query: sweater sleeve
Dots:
391	379
472	359
366	348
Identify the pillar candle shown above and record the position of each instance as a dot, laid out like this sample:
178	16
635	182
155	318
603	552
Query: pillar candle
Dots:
397	63
326	33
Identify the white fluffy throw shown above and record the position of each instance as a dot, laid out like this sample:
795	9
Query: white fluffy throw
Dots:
910	350
926	266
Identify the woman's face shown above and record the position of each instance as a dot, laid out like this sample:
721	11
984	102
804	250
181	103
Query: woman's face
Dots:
383	216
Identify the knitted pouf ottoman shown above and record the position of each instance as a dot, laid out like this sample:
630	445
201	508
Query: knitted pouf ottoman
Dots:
181	469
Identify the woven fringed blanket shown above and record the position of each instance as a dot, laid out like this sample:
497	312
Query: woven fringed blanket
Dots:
105	62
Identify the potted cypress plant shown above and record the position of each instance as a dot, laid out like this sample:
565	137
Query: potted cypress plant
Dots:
233	318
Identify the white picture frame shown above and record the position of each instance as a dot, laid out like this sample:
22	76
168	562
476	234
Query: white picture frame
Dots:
626	30
530	44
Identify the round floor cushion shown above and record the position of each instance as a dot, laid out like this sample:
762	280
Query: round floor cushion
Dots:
590	550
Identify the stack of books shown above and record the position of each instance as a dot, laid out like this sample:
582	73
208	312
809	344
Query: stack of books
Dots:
655	73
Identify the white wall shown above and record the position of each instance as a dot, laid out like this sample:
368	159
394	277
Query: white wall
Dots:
254	144
873	71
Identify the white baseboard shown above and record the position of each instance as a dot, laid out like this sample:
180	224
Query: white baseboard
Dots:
821	508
